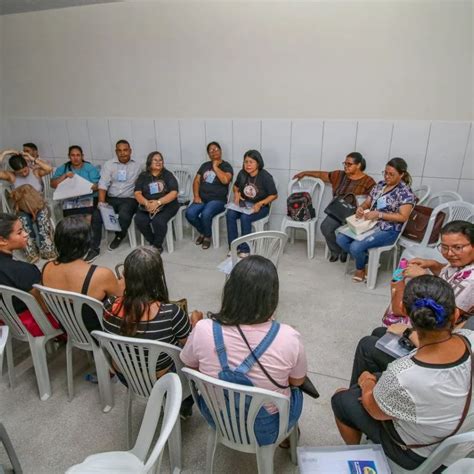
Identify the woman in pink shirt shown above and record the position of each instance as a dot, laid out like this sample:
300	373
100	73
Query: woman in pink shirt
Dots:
249	301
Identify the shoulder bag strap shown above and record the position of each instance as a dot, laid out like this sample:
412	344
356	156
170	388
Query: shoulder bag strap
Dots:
463	415
252	354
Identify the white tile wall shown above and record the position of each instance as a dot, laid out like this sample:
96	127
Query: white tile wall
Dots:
247	135
39	135
59	138
306	145
193	148
339	139
143	139
466	189
276	135
99	136
167	140
468	165
78	134
220	131
120	129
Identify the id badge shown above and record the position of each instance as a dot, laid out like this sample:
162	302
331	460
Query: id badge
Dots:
153	187
381	203
210	176
122	175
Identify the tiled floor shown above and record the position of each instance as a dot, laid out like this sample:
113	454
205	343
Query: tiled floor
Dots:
316	297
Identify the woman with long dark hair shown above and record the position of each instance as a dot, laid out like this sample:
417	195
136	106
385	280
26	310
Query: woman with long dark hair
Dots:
389	204
156	191
249	302
420	398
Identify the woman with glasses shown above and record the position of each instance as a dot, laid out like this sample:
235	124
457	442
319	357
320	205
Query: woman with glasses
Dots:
156	191
457	247
389	204
350	180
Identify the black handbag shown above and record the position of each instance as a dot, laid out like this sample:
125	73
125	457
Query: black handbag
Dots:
342	207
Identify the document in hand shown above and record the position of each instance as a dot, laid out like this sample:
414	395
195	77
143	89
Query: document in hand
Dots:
389	344
244	210
72	187
109	218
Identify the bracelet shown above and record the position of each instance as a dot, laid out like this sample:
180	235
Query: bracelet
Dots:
159	202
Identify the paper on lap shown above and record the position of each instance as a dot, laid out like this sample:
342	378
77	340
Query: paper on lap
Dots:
72	187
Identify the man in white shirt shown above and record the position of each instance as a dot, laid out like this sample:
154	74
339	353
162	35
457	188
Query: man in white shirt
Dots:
116	188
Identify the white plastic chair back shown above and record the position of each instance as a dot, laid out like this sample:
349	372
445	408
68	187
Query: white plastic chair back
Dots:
66	307
136	359
4	334
47	189
235	427
267	243
166	394
184	182
314	186
442	198
422	193
4	198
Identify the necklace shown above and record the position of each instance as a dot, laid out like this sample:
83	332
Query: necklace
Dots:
433	343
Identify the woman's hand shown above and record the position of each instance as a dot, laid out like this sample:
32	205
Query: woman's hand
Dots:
421	262
197	200
195	317
413	271
397	328
299	175
366	377
371	216
27	157
69	174
257	206
360	212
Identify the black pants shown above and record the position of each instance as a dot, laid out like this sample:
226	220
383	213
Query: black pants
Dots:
368	357
154	230
328	229
124	207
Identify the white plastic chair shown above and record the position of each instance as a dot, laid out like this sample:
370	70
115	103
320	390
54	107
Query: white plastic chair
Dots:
185	187
169	235
442	198
451	448
4	335
422	192
267	243
315	187
461	466
7	444
136	359
454	210
66	307
235	429
166	393
18	331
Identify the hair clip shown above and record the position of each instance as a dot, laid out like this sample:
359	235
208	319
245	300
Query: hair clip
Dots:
438	310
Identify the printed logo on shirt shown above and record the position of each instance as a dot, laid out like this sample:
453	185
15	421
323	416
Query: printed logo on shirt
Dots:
250	190
158	187
209	176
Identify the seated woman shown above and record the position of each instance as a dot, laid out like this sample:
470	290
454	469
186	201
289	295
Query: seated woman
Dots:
145	311
83	205
18	274
156	190
457	247
390	203
419	400
210	187
249	300
28	171
350	180
70	272
254	189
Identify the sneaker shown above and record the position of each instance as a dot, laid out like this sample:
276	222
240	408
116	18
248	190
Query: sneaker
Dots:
115	243
343	257
91	255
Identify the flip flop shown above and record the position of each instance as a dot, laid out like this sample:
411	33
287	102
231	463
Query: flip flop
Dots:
358	279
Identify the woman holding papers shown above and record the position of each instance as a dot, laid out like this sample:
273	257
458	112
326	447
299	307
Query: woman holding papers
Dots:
84	204
25	179
254	190
156	191
422	398
389	204
210	188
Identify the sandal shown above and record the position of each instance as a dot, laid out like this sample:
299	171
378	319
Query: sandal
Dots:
206	243
199	240
358	278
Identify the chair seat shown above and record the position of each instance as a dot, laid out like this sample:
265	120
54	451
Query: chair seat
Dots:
113	462
299	224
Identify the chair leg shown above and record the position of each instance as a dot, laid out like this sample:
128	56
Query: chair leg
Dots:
69	372
294	445
10	362
128	419
211	450
310	242
169	238
5	440
265	459
373	268
215	233
40	364
103	377
178	224
174	448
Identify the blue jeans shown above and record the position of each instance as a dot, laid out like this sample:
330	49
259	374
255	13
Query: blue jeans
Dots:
266	424
359	248
200	215
245	224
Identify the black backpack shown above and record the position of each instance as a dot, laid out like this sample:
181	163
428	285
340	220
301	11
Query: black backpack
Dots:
300	206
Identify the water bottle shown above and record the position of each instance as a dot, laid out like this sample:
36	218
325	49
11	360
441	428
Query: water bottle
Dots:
398	273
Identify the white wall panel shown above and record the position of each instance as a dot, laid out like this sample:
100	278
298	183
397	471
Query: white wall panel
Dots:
410	142
99	136
167	140
275	150
468	165
120	129
220	131
39	135
446	149
441	184
247	135
306	144
339	139
373	141
192	136
17	132
466	189
58	137
79	135
281	178
143	138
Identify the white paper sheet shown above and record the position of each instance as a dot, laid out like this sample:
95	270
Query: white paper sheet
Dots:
232	206
72	187
389	344
225	266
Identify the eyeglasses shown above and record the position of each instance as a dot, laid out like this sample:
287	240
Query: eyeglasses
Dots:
347	163
454	248
391	175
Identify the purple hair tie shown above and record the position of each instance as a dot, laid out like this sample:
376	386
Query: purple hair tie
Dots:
438	310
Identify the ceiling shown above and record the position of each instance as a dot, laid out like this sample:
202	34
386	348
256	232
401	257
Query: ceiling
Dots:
20	6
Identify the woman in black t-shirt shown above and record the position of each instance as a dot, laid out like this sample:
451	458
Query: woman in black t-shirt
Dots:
156	190
210	187
254	190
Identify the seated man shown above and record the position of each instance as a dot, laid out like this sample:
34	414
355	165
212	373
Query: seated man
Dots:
457	247
116	187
